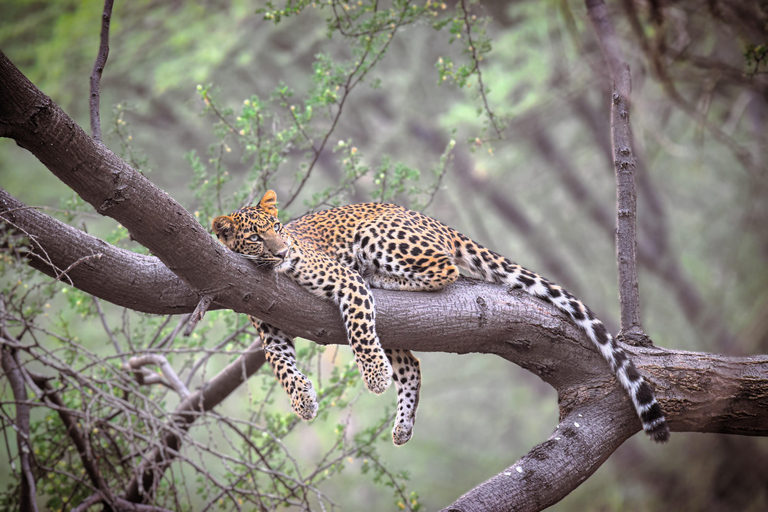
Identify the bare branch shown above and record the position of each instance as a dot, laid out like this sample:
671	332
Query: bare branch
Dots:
88	502
52	397
212	393
175	383
28	488
624	164
98	69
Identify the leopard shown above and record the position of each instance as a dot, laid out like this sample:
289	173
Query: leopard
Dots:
342	253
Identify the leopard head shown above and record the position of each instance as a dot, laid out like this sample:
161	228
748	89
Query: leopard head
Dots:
255	232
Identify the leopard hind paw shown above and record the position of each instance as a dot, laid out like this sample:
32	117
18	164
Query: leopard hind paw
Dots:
304	401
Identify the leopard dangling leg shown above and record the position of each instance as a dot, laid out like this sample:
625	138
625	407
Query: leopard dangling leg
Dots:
281	355
407	377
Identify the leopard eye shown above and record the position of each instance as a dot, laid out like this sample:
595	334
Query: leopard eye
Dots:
277	226
254	238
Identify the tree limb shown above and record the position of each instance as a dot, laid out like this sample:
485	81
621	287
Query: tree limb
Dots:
624	164
28	487
125	278
98	69
138	363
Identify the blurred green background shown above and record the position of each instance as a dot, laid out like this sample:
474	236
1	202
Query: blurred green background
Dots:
542	195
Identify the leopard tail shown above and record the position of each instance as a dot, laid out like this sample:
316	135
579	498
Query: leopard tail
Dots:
495	268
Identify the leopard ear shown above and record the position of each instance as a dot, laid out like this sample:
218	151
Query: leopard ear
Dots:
268	203
224	227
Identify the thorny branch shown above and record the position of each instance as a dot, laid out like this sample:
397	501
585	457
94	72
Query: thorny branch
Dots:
476	69
353	79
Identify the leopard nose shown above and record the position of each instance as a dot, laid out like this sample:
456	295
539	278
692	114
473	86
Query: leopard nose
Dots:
282	253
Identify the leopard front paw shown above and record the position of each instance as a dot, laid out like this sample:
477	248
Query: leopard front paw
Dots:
304	401
376	374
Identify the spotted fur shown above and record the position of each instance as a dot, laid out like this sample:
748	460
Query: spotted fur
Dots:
340	254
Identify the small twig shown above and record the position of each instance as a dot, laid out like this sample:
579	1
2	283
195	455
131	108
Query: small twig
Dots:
8	218
120	503
137	507
444	159
174	382
209	102
63	273
98	69
172	335
197	315
203	360
160	329
104	324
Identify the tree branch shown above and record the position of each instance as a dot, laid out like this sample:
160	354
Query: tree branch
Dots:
76	436
138	363
138	282
98	69
28	487
211	394
624	163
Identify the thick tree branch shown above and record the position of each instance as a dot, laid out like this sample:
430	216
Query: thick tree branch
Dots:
572	453
138	282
